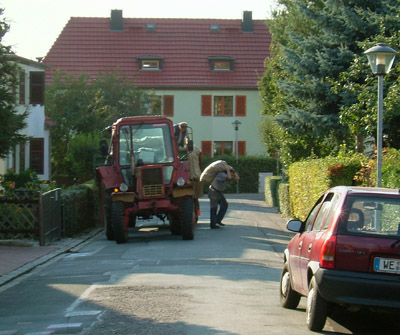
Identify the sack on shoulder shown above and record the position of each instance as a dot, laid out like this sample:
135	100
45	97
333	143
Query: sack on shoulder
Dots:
212	170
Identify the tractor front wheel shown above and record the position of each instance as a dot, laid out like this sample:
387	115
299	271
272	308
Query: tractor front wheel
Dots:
117	220
188	219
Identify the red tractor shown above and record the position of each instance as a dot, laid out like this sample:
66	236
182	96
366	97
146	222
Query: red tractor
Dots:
144	177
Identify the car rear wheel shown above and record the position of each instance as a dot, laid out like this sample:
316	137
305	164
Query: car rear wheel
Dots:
117	219
317	308
289	298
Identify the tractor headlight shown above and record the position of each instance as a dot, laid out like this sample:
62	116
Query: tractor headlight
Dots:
123	187
180	181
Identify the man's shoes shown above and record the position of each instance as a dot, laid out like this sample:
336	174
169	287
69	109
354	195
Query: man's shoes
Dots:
221	224
214	227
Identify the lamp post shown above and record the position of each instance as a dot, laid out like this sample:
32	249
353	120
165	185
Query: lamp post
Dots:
380	58
236	125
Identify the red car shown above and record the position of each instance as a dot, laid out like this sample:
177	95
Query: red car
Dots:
347	252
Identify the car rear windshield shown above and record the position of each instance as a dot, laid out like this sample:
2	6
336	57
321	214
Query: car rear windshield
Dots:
367	215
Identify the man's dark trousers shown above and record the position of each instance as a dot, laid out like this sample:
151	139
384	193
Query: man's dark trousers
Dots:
217	199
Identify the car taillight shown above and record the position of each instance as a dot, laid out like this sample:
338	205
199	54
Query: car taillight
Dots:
327	257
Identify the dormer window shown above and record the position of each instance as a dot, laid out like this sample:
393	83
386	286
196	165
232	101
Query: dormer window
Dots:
218	63
150	63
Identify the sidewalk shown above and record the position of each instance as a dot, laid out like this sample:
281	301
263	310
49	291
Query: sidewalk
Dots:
19	257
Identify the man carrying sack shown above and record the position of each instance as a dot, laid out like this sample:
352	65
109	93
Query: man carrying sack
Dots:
217	198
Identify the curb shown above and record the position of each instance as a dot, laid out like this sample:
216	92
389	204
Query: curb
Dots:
63	248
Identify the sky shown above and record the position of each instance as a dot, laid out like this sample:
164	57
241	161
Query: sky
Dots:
36	24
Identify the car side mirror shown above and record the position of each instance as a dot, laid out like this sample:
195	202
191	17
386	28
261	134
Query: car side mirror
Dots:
295	226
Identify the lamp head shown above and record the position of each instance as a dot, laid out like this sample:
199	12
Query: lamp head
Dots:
381	58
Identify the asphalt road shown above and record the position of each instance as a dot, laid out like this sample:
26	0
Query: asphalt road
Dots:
225	281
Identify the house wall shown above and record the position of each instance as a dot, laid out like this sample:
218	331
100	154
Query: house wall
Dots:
187	107
35	128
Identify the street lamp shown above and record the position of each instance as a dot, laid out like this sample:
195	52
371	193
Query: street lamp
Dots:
380	58
236	125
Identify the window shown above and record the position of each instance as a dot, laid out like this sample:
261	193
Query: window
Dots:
22	88
221	63
325	207
312	214
36	155
223	106
150	63
371	216
223	148
161	105
36	83
155	105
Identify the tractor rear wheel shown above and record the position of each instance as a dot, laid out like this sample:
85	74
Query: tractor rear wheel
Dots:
188	219
105	208
117	220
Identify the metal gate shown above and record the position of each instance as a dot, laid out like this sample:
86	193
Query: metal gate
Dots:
50	216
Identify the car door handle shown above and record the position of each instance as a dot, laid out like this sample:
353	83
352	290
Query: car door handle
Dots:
300	244
309	247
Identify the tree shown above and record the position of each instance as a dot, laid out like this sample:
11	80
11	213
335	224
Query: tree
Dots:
82	107
316	41
11	122
358	86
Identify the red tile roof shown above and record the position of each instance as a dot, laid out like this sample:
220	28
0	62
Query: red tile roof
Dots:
87	45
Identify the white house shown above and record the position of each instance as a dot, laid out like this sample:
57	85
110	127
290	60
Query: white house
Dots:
35	153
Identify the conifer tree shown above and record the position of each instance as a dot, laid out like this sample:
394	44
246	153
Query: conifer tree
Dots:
11	122
316	41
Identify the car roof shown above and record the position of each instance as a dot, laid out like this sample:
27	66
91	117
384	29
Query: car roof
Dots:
365	190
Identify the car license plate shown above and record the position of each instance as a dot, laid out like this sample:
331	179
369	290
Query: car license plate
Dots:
390	265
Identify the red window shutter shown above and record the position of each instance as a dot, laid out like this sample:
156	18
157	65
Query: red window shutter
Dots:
168	105
206	147
242	148
240	105
206	103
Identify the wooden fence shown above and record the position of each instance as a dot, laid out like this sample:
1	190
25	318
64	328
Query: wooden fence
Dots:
27	215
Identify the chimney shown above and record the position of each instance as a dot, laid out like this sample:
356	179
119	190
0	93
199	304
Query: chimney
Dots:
116	21
247	23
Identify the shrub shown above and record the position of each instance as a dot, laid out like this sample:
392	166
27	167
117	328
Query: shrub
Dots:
271	190
390	170
26	180
308	179
283	199
80	208
82	152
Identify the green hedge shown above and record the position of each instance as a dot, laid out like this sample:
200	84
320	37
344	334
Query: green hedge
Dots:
270	188
283	199
248	168
310	178
80	208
